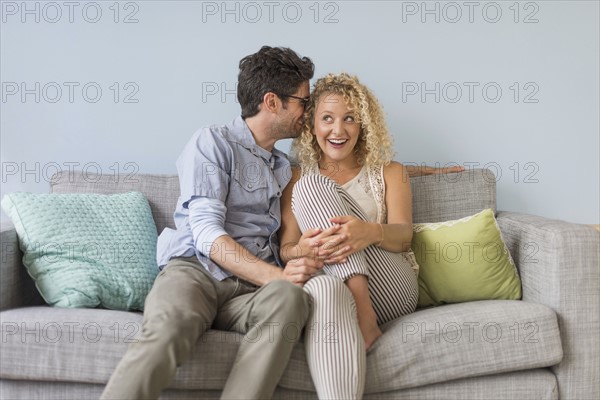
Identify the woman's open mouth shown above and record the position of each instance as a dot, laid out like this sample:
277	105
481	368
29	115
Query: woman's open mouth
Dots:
337	142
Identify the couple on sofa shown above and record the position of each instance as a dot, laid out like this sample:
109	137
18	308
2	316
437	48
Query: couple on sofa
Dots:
343	221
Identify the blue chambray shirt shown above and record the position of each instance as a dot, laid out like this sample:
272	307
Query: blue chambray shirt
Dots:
238	186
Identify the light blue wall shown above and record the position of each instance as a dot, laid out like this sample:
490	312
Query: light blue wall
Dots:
173	56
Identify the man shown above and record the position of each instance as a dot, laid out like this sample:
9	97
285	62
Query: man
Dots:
220	264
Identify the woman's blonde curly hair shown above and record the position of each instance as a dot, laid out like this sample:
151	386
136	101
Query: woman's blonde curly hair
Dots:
374	145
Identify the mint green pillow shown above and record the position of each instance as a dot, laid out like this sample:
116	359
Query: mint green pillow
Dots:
464	260
87	250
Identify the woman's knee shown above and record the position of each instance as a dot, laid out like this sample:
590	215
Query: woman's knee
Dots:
311	183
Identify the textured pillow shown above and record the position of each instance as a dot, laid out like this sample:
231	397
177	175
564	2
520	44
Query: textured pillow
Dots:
464	260
87	250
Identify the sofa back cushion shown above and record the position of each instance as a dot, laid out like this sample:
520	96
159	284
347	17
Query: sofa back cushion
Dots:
161	191
436	198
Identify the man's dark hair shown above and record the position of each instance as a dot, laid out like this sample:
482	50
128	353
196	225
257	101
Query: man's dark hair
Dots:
273	69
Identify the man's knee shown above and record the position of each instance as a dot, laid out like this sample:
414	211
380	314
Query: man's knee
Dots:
286	301
169	325
171	333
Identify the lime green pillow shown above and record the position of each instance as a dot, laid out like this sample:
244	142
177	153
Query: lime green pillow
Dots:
87	250
464	260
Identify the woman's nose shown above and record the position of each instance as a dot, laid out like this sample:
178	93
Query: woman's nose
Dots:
337	126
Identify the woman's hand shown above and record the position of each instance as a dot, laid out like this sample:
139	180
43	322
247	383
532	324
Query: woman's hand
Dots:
317	243
357	235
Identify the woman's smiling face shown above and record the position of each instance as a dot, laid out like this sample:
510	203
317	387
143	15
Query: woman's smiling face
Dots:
337	130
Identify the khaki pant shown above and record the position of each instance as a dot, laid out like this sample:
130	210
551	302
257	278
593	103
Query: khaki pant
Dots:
184	302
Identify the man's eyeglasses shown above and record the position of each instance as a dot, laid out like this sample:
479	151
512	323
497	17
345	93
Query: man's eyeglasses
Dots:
303	100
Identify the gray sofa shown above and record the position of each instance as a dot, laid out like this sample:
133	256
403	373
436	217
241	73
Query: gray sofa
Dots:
546	346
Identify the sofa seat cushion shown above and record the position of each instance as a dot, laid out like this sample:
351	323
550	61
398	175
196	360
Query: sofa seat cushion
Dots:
433	345
463	340
84	345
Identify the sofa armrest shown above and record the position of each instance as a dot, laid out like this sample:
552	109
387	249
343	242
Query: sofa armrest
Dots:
17	289
559	265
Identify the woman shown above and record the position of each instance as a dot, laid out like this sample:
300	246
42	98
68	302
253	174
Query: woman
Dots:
350	206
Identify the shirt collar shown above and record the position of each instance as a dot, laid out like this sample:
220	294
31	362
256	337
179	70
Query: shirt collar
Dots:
240	131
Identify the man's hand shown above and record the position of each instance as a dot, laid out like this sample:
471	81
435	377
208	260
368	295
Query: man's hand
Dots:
300	270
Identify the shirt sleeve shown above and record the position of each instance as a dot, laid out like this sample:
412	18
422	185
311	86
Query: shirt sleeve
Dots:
207	221
203	166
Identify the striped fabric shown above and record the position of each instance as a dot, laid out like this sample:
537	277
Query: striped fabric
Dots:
393	284
335	351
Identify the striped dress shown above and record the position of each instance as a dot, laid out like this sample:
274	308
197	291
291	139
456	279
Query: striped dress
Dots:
338	366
